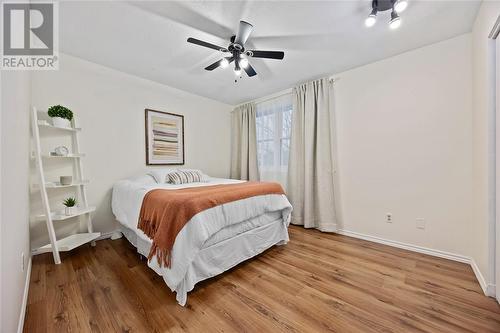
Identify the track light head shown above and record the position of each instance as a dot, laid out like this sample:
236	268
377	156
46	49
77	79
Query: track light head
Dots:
400	5
371	19
395	20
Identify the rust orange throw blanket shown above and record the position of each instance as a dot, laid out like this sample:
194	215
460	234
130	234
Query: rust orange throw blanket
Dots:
165	212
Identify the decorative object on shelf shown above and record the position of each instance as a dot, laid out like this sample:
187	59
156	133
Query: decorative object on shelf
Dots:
66	180
61	151
396	7
70	204
61	116
164	138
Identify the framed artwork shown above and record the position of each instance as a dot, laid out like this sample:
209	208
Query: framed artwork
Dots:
164	138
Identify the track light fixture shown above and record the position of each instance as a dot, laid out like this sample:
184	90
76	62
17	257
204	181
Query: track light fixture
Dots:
396	6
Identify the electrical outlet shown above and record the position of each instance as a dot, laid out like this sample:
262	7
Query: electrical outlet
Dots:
388	218
22	261
421	223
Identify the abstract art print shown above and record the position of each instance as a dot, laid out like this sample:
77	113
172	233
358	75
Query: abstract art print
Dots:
164	138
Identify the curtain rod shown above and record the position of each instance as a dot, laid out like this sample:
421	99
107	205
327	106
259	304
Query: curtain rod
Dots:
331	79
257	101
334	79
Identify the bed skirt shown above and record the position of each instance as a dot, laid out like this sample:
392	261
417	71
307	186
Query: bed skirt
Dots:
219	257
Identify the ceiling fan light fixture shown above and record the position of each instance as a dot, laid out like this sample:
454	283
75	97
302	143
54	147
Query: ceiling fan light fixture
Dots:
395	20
238	52
400	5
371	19
244	62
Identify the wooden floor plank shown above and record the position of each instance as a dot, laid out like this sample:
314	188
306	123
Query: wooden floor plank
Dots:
316	283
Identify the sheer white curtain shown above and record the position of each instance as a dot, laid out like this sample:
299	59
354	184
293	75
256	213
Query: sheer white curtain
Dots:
273	123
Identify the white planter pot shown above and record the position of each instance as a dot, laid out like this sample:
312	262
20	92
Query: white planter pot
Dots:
61	122
69	210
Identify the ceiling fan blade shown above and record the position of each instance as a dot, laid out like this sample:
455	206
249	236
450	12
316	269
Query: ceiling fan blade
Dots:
244	32
217	63
267	54
205	44
250	71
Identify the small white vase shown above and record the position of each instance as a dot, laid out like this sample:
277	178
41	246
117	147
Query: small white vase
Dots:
61	122
69	210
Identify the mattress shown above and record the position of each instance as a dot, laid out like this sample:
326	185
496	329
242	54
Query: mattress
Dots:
236	229
143	244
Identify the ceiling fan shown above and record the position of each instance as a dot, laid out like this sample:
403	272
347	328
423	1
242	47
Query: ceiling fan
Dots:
237	51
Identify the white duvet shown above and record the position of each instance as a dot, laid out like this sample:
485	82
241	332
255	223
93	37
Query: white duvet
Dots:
204	229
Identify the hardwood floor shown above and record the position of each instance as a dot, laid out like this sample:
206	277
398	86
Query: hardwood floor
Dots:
316	283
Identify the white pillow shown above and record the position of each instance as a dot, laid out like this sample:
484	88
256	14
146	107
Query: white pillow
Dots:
143	179
161	175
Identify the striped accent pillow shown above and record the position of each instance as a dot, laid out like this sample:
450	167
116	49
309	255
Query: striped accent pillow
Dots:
185	176
161	175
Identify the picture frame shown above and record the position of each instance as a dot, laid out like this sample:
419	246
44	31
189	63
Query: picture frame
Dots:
164	138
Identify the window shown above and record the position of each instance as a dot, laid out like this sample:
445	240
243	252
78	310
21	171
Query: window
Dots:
274	120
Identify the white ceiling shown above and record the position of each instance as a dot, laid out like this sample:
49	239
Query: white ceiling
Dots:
319	38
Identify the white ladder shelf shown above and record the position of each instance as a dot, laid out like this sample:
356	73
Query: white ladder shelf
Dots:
72	241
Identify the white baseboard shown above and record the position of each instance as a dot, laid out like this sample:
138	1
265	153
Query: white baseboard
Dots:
409	247
24	304
488	289
325	227
329	227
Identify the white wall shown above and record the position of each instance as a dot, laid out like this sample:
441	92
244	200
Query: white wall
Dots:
110	107
15	105
405	146
482	137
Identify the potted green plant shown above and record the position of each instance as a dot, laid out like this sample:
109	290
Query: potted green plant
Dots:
70	206
61	116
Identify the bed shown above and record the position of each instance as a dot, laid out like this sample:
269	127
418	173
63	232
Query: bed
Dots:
213	240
